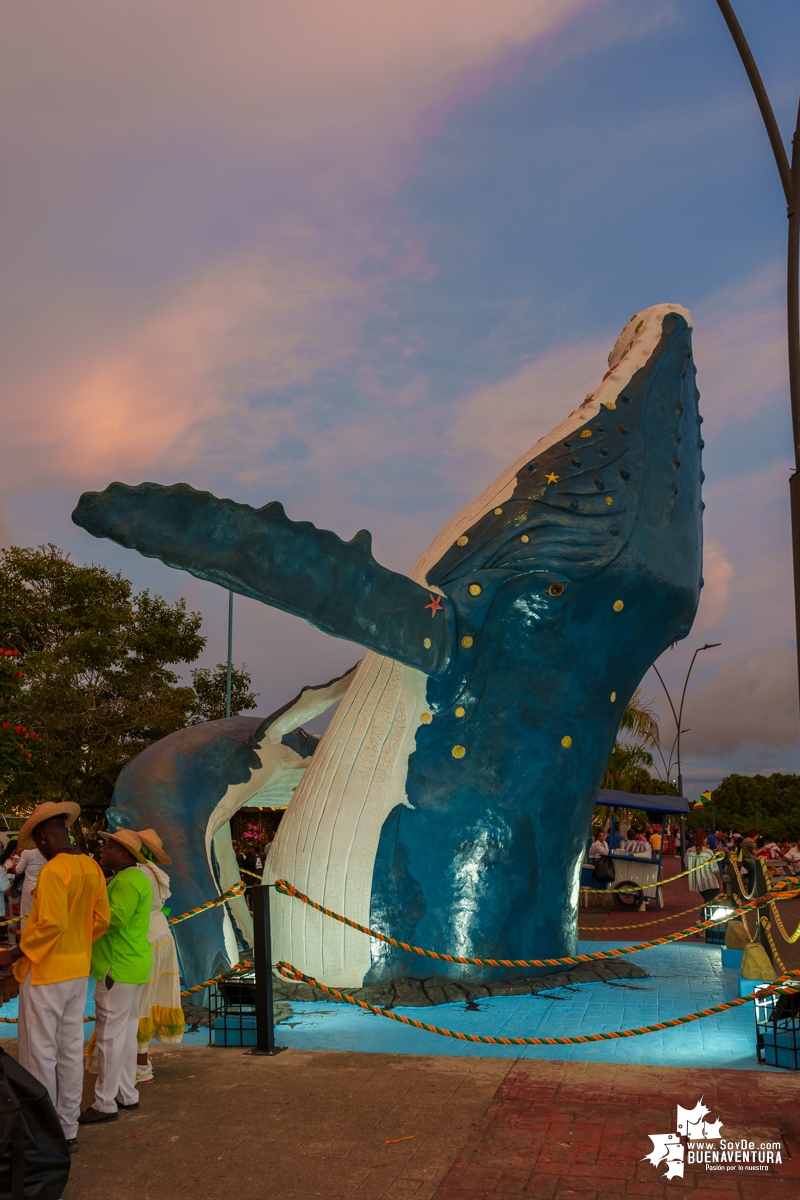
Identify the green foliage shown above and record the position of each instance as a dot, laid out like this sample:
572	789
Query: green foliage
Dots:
638	720
96	684
627	767
211	689
771	803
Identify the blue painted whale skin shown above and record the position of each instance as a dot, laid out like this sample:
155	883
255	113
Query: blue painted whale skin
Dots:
450	796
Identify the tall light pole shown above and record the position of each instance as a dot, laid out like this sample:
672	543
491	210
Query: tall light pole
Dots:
679	714
790	180
230	655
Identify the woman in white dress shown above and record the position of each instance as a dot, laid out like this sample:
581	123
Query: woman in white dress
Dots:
704	877
30	862
160	1013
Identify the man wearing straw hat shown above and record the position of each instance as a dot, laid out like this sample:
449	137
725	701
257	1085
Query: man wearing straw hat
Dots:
53	959
121	962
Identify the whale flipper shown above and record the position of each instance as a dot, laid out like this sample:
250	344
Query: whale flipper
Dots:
336	586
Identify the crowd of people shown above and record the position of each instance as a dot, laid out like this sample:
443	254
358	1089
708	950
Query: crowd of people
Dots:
252	857
100	916
781	857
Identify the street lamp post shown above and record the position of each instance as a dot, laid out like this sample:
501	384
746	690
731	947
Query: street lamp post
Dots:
230	656
679	714
790	179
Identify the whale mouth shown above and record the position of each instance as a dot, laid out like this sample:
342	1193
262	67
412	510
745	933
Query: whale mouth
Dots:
636	343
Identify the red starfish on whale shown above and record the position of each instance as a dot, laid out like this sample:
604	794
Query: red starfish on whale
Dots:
435	605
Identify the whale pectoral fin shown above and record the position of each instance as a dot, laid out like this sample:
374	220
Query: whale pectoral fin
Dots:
336	586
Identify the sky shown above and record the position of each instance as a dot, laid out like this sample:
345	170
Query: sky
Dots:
358	257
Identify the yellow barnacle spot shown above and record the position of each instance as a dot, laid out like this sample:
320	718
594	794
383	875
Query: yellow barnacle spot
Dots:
610	404
613	697
524	538
461	711
474	589
462	541
466	642
458	751
586	433
425	718
497	512
609	500
566	742
618	605
426	643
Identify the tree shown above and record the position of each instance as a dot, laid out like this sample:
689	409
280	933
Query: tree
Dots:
17	742
94	683
771	803
211	690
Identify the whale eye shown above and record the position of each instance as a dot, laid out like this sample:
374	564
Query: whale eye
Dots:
556	589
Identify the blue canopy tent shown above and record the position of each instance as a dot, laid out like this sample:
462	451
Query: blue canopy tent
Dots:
661	807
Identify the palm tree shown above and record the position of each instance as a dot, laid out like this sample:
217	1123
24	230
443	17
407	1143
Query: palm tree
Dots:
639	721
627	767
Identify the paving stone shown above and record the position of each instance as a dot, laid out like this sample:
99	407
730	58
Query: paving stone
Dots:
592	1133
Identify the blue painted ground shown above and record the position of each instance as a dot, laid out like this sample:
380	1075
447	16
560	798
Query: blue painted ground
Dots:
11	1009
685	977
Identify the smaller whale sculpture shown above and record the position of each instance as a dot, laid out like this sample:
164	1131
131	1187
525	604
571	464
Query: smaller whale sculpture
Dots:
448	801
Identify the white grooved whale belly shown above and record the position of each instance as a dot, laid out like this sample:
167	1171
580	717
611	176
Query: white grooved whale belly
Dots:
448	802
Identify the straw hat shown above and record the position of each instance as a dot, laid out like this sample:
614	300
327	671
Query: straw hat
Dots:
127	839
152	842
43	813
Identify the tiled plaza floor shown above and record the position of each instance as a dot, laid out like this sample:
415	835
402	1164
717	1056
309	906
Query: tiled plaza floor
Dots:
686	977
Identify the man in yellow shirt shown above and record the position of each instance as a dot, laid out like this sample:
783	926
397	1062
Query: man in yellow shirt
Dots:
655	839
53	959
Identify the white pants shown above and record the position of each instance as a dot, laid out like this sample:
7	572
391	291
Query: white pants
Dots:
51	1042
115	1033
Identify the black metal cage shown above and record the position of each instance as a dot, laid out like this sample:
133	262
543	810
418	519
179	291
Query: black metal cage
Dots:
232	1012
778	1030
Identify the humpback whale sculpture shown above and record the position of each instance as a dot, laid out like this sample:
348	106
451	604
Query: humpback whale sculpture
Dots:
448	801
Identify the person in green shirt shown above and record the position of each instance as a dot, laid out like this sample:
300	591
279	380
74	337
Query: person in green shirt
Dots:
122	961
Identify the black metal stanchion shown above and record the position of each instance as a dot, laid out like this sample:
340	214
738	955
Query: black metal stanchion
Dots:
262	952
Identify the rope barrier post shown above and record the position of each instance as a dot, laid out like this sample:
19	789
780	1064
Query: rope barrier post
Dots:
262	954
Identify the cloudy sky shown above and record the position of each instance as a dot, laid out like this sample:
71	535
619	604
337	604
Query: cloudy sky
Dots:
357	257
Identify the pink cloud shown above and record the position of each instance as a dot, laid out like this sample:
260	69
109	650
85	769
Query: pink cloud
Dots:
244	65
717	575
168	393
